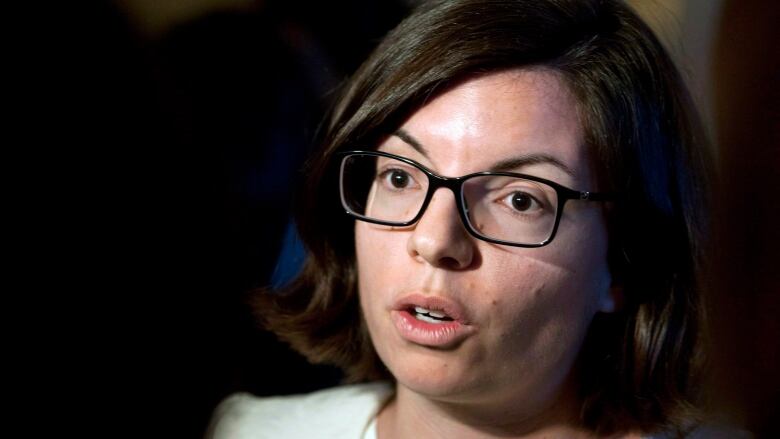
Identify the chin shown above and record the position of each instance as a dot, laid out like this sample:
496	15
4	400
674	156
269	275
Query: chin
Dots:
432	374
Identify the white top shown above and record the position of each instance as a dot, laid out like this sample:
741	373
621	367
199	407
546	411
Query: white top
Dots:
345	412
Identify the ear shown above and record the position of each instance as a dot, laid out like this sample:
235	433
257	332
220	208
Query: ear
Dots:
612	299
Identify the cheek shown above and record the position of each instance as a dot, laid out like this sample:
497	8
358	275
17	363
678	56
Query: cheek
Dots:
375	250
535	292
580	252
367	249
541	311
378	252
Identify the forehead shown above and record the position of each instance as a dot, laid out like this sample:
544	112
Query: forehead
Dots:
494	117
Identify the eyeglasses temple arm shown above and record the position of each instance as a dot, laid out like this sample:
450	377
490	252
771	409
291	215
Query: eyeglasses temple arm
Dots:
598	196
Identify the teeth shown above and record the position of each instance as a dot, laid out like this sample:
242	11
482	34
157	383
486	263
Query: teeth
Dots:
425	318
422	311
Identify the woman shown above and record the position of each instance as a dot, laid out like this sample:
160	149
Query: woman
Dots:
524	187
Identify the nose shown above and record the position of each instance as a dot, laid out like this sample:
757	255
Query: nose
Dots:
439	237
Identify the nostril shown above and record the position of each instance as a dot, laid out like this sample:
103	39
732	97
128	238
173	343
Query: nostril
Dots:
450	263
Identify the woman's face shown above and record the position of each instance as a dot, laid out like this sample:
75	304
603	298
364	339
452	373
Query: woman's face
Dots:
519	315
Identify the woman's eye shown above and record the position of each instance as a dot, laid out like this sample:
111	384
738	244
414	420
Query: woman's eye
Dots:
522	201
397	179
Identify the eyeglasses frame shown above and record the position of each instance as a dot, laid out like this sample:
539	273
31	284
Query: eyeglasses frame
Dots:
455	184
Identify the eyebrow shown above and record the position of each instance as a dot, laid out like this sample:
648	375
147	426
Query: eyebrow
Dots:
411	141
506	165
531	159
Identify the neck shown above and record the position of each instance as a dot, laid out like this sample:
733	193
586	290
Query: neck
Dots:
410	414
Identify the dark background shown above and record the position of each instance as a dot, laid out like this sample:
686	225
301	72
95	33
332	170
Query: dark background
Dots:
172	157
159	166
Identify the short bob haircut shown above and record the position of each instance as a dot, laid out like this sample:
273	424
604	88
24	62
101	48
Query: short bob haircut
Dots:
639	366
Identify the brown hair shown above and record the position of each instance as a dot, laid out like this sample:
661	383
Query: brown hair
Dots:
639	365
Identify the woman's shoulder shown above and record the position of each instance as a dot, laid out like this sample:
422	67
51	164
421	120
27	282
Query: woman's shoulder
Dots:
343	411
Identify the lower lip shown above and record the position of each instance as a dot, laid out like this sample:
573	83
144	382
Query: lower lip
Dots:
438	335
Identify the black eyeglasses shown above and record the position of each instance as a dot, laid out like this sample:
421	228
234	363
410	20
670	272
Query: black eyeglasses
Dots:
499	207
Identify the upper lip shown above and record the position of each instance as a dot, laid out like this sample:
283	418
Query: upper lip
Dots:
452	308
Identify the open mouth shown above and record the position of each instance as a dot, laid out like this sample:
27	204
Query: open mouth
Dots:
430	316
433	321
